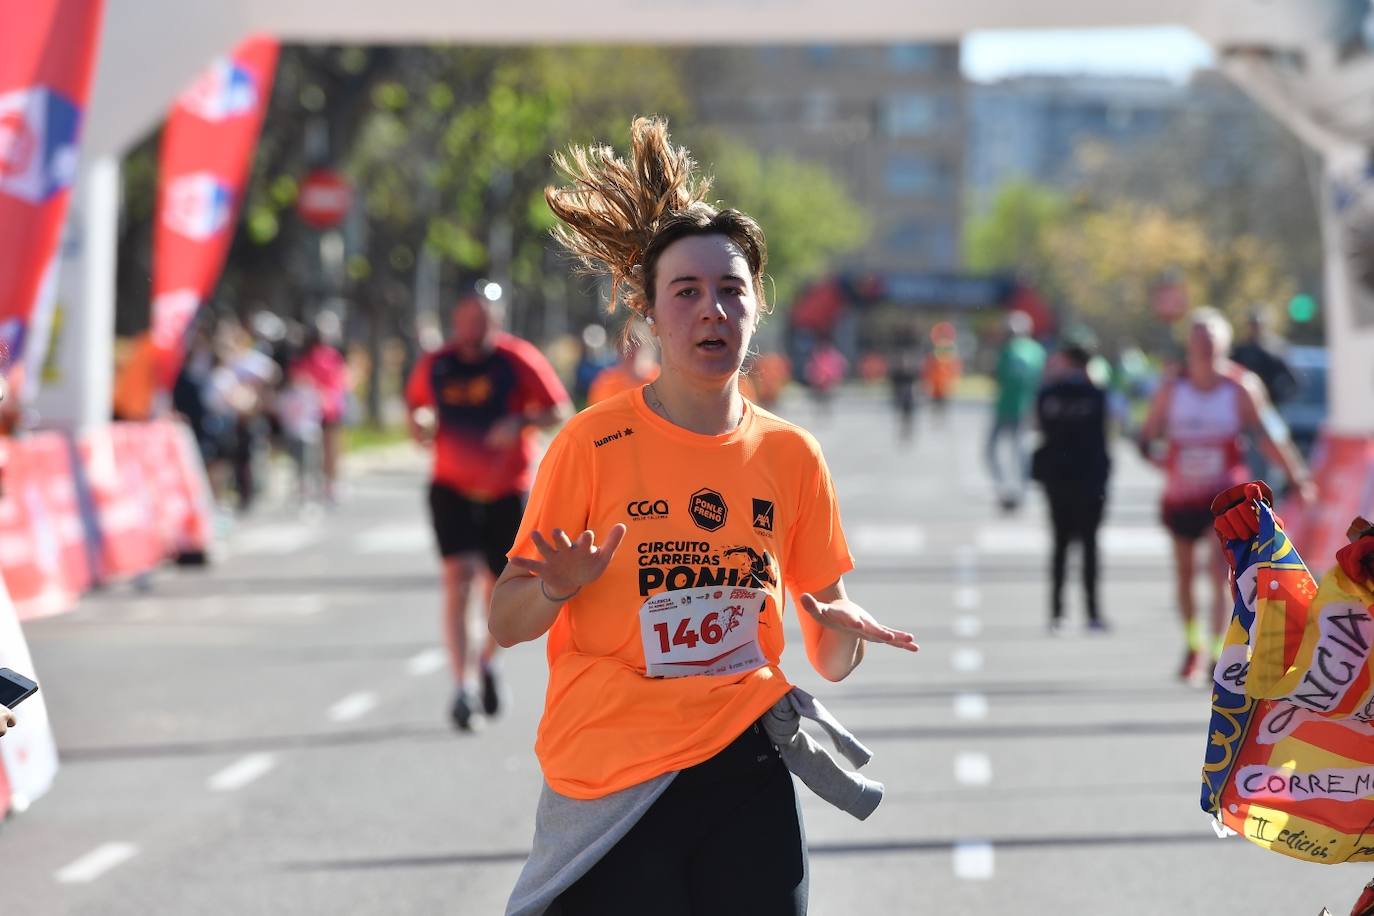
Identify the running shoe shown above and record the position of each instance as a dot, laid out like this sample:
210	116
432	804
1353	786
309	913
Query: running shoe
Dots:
491	692
462	711
1098	626
1190	666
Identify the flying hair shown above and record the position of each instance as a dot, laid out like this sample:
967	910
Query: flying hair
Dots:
617	216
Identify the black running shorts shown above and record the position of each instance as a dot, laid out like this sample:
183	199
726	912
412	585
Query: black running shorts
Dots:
465	525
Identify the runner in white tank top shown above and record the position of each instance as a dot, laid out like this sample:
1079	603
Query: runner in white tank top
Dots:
1203	429
1201	417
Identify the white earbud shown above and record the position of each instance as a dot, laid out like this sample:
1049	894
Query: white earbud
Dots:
649	319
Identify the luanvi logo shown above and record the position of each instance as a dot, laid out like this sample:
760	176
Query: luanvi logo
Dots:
708	509
647	508
763	515
618	434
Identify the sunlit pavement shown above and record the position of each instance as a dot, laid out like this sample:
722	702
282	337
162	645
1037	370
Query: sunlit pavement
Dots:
269	736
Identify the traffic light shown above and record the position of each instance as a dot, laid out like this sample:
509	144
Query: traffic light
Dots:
1302	308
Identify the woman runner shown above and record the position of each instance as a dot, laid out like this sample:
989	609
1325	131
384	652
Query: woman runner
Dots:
1201	415
662	529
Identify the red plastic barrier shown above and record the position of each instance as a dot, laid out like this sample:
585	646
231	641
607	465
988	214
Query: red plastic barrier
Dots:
43	547
1343	467
130	536
172	463
151	501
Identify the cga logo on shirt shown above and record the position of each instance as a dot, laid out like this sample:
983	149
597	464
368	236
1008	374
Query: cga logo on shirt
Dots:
708	510
647	508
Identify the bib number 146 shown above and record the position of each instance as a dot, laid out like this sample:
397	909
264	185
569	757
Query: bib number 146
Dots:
702	631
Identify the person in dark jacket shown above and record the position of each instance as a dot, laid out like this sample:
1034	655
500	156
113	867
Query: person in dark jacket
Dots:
1073	466
1262	354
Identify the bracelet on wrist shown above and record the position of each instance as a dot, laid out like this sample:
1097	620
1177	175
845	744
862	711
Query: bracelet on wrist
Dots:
555	598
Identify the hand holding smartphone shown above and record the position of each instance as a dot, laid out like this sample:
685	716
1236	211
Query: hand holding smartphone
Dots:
15	688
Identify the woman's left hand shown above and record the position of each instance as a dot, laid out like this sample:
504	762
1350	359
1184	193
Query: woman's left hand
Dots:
847	617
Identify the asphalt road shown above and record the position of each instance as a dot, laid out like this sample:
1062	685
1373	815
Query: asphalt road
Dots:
269	736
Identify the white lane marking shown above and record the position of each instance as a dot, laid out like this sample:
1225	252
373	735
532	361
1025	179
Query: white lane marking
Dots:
967	660
353	706
287	606
427	662
967	626
1003	539
305	605
970	707
274	539
972	769
967	598
973	860
95	863
1135	541
966	564
395	539
1140	542
240	773
887	540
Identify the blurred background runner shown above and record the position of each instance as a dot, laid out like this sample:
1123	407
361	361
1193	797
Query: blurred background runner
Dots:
478	401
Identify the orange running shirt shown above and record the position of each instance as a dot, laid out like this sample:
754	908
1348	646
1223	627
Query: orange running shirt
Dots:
612	380
754	507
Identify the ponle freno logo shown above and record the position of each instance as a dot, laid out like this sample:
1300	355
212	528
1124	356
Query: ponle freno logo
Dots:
197	206
17	143
708	509
38	153
647	508
225	90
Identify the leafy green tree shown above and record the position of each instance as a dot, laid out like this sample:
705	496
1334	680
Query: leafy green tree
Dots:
1014	234
808	216
1098	260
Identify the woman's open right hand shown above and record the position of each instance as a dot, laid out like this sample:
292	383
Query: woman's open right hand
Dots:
567	565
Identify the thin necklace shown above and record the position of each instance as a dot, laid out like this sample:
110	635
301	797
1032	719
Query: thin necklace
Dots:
658	402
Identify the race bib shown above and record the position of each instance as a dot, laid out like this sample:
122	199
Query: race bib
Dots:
1201	465
702	631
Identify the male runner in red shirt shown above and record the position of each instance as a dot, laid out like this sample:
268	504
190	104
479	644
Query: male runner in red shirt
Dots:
479	400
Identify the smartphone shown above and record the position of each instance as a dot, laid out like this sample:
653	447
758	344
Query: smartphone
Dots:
15	688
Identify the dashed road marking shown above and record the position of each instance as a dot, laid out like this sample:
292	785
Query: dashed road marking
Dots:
967	660
1137	541
967	598
886	540
274	539
427	662
970	707
967	626
95	863
972	769
966	564
241	773
395	539
973	860
353	706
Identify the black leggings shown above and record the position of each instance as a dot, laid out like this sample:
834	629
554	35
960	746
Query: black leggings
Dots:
1076	513
724	838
